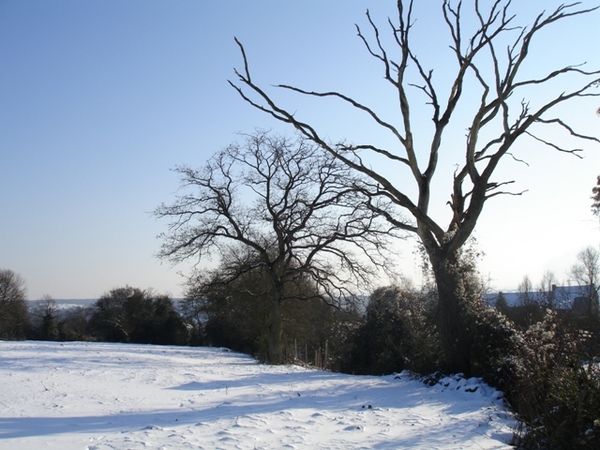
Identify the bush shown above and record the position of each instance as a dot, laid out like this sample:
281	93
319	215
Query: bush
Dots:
73	324
492	338
229	315
397	334
44	316
553	388
132	315
545	375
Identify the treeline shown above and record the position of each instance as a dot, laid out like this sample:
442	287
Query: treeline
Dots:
546	363
371	338
127	315
393	330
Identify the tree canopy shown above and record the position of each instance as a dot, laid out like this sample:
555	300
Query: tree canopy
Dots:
285	209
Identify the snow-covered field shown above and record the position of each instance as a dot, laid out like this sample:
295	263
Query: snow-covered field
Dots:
97	396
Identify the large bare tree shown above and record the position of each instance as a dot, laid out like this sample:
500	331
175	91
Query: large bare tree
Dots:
283	209
489	64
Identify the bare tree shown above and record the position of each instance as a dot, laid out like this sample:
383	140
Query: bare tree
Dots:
586	271
487	67
282	208
14	315
526	295
546	290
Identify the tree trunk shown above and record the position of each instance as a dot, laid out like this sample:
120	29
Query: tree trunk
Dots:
453	301
275	329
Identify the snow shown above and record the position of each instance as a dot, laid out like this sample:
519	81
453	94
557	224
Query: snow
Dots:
100	396
64	304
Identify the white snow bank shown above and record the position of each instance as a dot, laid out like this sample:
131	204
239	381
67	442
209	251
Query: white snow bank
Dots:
97	396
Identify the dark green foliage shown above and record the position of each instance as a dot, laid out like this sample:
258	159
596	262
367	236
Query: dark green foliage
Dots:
553	387
49	329
44	318
523	316
192	314
310	330
132	315
228	314
341	339
493	338
14	315
543	366
501	303
397	334
596	194
237	321
461	288
51	323
236	314
73	324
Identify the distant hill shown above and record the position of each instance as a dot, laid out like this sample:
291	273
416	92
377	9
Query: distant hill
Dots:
67	303
74	302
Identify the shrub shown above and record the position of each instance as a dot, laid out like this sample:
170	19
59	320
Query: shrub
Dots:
73	324
44	316
235	312
555	391
397	334
132	315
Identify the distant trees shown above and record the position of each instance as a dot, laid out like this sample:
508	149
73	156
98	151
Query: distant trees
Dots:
281	215
528	308
139	316
49	322
14	314
586	273
546	289
73	322
483	93
526	294
586	270
501	303
44	319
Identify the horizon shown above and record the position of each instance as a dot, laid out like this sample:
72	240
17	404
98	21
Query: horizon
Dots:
102	99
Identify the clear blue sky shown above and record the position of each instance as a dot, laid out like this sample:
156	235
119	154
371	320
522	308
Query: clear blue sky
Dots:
99	99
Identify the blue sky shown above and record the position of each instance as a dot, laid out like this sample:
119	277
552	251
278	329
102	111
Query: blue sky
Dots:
100	99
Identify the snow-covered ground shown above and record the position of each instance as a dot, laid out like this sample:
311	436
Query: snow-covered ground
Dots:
97	396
